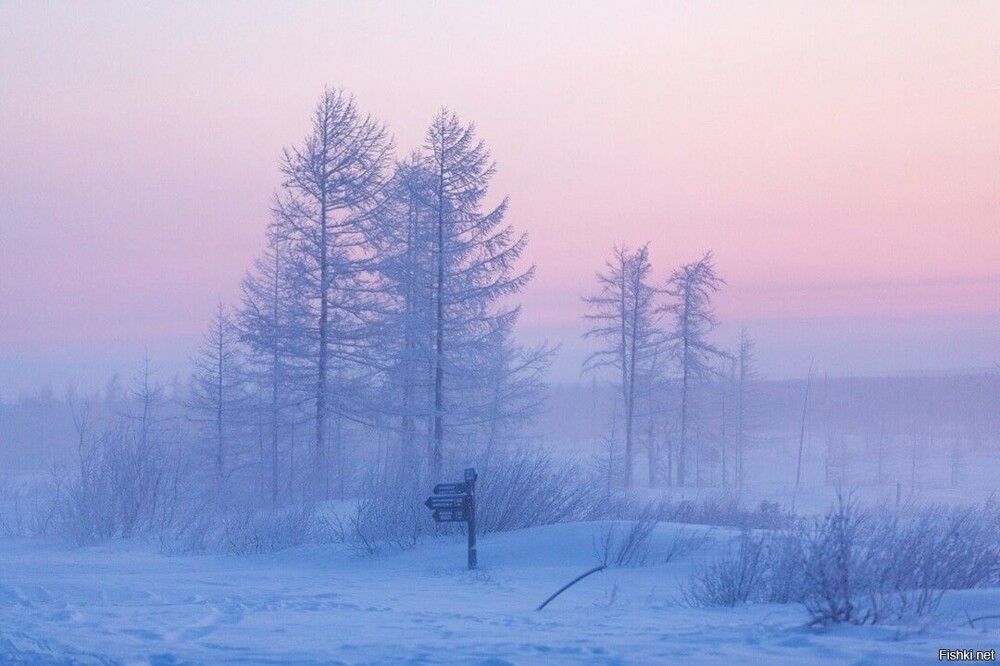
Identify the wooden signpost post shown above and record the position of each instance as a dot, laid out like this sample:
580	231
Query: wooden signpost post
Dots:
455	503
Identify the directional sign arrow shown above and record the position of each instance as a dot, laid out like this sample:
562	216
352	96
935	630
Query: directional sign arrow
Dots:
451	488
453	502
450	516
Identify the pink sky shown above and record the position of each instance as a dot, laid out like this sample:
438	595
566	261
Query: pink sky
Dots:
842	160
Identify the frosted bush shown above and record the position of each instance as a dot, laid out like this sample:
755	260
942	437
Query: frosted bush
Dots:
29	508
121	487
724	511
266	530
386	519
760	567
626	546
525	488
858	566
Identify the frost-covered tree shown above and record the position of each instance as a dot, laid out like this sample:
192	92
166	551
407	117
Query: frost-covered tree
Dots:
692	286
333	181
747	378
474	257
625	318
217	401
513	390
380	302
452	366
739	395
406	242
146	400
271	322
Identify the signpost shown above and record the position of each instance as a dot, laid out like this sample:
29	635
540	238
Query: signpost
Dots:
456	503
450	516
451	488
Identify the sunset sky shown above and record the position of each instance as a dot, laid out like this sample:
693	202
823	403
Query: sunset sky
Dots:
841	160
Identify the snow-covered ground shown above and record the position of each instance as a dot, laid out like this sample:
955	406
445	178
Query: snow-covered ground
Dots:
125	603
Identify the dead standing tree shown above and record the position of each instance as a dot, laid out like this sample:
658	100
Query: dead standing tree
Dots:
270	323
218	399
625	317
747	380
692	286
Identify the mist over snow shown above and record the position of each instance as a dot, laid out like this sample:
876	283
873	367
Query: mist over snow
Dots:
499	334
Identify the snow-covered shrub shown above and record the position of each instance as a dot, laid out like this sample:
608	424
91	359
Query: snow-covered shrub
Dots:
524	488
837	569
191	531
971	535
515	490
121	487
916	556
783	575
761	567
630	544
724	511
739	577
385	519
858	566
250	531
620	546
873	566
28	508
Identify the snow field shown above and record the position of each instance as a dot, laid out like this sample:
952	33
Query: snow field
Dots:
124	603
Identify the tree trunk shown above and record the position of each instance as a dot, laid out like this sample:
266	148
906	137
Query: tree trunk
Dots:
722	438
437	458
653	452
802	431
682	445
218	405
740	416
319	451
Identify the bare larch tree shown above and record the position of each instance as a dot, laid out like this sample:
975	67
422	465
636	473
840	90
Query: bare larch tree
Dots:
692	286
475	266
333	181
624	316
